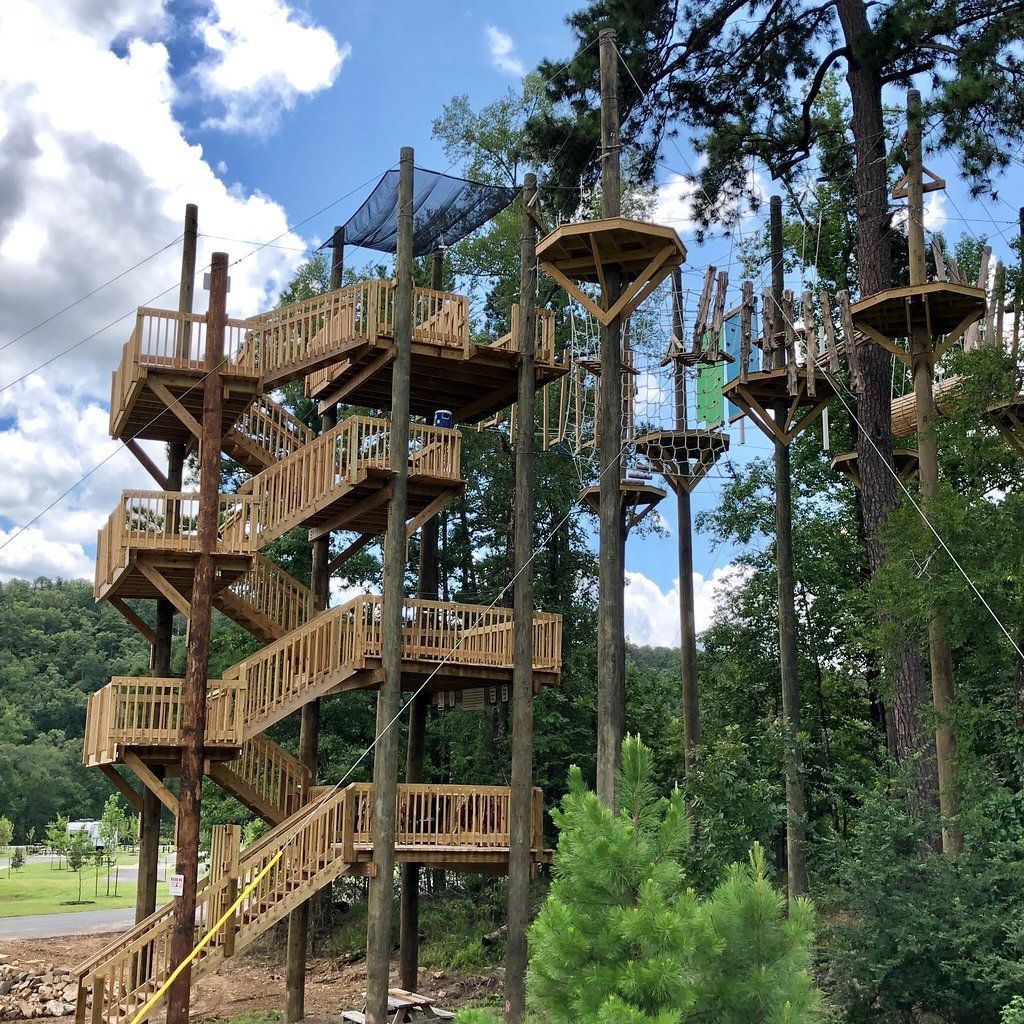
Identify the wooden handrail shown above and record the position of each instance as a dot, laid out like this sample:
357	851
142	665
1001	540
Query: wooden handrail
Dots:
273	593
543	337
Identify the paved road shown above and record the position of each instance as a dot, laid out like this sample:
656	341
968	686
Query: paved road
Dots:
45	926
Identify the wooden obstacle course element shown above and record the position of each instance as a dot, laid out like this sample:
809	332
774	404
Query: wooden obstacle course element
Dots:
264	434
639	499
945	310
904	462
903	410
1008	418
683	457
767	389
645	254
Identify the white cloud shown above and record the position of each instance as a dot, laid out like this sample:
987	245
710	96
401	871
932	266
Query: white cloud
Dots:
652	614
673	201
263	55
32	554
502	49
95	171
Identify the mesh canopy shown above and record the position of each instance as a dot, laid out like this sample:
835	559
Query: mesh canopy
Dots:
444	210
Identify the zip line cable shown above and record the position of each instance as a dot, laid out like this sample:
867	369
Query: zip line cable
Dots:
89	295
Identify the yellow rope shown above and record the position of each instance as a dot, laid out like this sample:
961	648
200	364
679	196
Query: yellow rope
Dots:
204	941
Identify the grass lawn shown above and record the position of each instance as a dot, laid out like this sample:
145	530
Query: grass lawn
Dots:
41	889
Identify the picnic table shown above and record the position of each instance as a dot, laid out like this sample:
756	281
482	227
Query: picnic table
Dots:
403	1008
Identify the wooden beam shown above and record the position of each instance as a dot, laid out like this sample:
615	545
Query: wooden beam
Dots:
382	497
147	463
161	584
175	406
886	343
430	511
140	624
357	380
122	785
356	546
151	782
467	412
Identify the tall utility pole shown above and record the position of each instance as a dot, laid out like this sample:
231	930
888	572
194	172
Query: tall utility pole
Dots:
409	907
687	618
193	726
309	727
611	655
922	357
160	654
796	854
385	758
520	802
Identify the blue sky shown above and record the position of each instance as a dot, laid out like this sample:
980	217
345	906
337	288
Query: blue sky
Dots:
113	116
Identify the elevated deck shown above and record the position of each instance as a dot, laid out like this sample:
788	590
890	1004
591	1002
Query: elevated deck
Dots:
455	646
157	392
448	372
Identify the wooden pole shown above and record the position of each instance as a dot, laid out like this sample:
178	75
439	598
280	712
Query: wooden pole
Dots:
409	907
796	855
193	726
687	616
922	355
385	759
611	657
309	726
520	799
160	652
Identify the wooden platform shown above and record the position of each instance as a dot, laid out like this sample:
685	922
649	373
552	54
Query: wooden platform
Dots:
904	462
639	499
944	310
1008	418
644	255
473	384
682	457
157	391
762	391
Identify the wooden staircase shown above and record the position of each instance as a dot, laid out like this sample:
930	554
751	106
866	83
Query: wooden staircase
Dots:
451	826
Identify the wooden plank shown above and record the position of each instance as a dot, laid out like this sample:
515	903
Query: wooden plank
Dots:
343	556
147	463
122	785
368	504
151	782
165	588
174	405
140	624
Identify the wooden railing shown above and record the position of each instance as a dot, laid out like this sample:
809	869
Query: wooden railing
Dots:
275	594
319	843
273	428
272	772
131	711
543	334
166	340
286	492
167	521
278	677
439	318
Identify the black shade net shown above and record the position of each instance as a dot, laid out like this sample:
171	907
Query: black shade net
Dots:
444	210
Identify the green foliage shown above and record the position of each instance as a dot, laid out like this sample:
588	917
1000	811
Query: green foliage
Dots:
78	850
1013	1011
621	936
919	933
18	858
6	832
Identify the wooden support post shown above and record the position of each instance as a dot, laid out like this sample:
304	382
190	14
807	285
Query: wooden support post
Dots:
520	797
409	908
921	349
193	727
796	855
309	726
160	651
385	758
684	528
611	655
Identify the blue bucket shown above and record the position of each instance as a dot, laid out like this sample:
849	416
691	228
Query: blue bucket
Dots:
443	418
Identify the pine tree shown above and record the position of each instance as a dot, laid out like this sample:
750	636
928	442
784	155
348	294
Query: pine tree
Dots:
762	970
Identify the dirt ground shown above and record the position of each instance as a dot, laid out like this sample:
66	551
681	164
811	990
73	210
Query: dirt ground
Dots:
254	980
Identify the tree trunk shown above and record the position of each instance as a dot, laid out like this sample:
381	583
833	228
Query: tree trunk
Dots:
911	690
